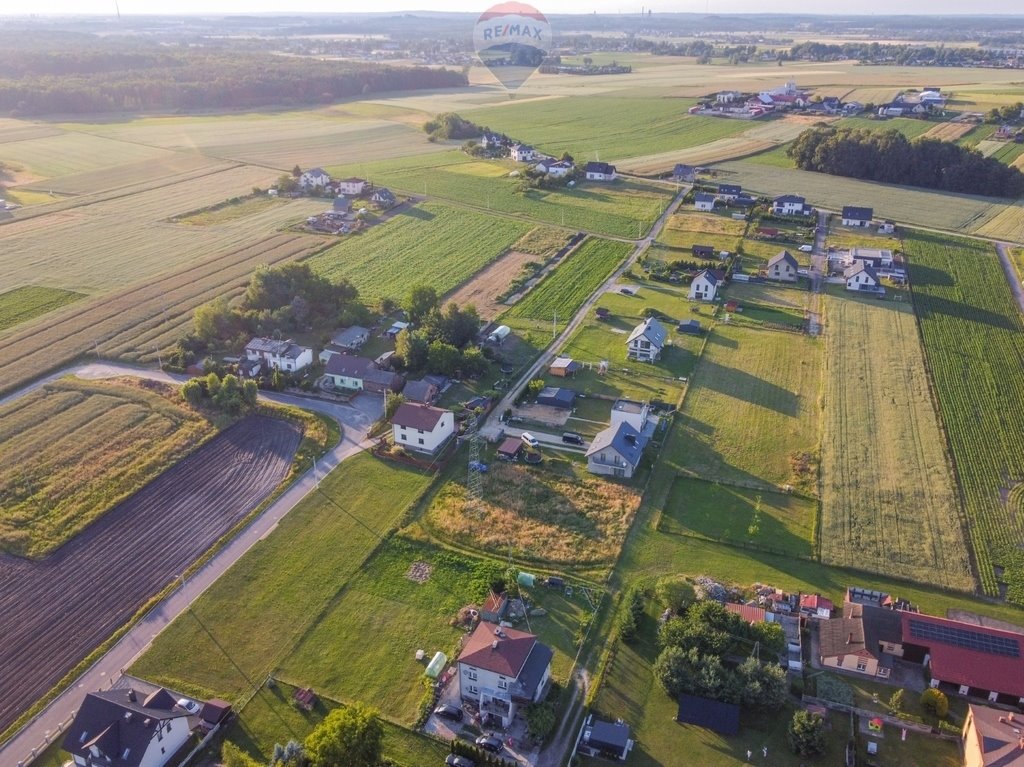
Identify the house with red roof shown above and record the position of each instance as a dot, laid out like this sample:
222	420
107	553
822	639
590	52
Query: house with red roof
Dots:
976	660
503	668
816	606
750	613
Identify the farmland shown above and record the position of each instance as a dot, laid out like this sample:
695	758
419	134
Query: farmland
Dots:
92	445
31	301
55	612
973	342
432	243
557	513
220	213
949	131
569	285
751	413
889	501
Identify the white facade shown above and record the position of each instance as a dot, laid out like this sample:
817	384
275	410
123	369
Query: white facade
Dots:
782	269
860	281
598	176
290	359
633	413
646	341
522	153
351	187
168	737
425	440
705	205
789	208
703	288
313	179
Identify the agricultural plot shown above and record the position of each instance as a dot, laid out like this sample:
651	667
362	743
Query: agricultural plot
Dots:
565	289
31	301
125	434
731	148
163	170
889	501
846	237
751	414
710	223
973	341
65	154
621	209
1007	224
263	606
431	243
949	131
55	612
557	513
909	127
228	211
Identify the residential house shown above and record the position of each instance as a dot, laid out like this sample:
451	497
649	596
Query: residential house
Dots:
555	168
703	251
554	396
790	205
992	738
351	338
852	108
727	97
861	276
279	355
563	367
523	153
616	451
122	728
782	267
751	613
684	174
606	739
646	341
600	171
743	201
704	201
422	428
352	187
314	178
832	105
341	207
705	285
854	216
501	669
729	192
396	328
353	373
841	645
816	606
974	659
714	715
636	414
384	198
421	391
877	258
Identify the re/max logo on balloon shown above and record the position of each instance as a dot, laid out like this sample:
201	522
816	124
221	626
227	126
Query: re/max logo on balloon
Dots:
513	30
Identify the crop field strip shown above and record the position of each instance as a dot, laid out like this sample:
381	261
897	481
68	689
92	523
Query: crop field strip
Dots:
431	243
176	166
31	301
889	500
974	343
54	612
71	153
86	441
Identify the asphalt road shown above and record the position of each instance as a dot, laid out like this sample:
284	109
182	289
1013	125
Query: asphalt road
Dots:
47	725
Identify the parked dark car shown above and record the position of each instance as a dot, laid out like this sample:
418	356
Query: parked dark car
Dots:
489	743
572	438
448	711
453	760
626	291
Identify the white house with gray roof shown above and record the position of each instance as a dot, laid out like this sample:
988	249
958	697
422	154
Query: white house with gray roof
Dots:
646	341
782	267
616	451
861	276
705	286
279	355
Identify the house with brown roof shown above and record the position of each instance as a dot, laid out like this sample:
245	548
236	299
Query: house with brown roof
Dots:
992	738
782	267
501	669
841	645
422	428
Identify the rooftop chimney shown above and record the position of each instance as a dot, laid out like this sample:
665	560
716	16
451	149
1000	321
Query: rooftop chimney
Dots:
494	645
131	694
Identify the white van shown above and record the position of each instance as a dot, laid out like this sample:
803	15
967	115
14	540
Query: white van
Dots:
529	440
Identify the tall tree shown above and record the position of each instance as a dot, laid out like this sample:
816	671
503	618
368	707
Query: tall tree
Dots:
351	736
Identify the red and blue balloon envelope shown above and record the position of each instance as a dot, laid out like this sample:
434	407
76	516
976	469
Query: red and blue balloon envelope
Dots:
512	40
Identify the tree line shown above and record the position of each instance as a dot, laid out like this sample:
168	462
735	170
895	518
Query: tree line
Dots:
89	80
890	157
904	54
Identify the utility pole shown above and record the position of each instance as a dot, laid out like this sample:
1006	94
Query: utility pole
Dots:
554	326
159	359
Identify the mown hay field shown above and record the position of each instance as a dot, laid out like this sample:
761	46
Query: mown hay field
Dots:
67	153
162	171
715	151
752	411
974	341
429	244
949	131
622	208
31	301
692	221
889	499
221	213
73	449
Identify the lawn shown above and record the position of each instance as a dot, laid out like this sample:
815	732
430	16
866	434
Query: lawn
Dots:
884	452
432	244
251	619
711	223
73	449
239	207
974	341
752	412
846	237
778	522
31	301
555	513
790	299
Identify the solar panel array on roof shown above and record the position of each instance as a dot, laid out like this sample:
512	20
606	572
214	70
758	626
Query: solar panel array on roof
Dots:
970	640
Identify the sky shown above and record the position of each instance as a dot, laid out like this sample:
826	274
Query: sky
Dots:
476	6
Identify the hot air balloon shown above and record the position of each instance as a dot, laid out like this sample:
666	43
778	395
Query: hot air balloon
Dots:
512	39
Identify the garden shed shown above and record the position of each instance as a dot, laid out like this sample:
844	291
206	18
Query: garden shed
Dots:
557	397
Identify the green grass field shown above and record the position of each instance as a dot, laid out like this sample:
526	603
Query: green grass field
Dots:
884	452
845	237
91	445
251	619
431	243
973	342
752	412
31	301
228	211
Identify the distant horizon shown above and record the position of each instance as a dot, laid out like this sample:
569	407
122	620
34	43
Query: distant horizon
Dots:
874	8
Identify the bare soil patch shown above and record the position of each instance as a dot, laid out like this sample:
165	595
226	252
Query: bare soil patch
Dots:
54	612
419	572
483	290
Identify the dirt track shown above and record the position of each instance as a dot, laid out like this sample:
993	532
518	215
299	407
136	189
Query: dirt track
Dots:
483	290
54	612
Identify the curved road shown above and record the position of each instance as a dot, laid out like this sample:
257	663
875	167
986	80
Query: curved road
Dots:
47	725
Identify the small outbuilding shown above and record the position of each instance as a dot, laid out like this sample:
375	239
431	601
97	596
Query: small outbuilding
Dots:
610	739
691	327
564	367
557	397
714	715
510	448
